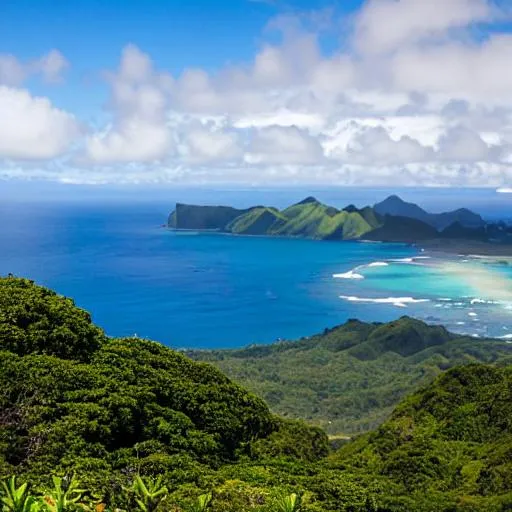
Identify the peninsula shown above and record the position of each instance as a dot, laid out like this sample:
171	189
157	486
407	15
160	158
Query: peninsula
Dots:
392	220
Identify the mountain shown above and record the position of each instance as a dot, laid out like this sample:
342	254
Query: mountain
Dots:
308	218
446	447
393	220
395	206
402	229
353	375
459	231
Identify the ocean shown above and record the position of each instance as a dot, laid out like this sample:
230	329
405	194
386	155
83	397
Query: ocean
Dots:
198	290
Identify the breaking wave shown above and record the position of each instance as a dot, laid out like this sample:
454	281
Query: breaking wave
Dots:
400	302
351	274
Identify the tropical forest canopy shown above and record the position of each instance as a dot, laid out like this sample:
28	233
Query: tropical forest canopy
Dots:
113	411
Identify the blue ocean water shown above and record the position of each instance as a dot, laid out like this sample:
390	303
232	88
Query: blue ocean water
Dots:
210	290
470	295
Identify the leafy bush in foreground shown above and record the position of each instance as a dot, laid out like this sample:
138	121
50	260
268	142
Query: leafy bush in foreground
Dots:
35	320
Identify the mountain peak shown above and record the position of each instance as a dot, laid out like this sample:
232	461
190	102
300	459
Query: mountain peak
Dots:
393	198
309	199
395	206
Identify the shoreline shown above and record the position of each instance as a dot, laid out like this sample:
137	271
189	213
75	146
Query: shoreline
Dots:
465	248
469	248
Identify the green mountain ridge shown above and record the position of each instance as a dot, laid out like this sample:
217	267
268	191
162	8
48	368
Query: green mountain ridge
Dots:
453	437
393	220
351	376
308	218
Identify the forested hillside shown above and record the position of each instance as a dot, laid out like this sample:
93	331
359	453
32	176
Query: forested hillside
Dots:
349	379
96	423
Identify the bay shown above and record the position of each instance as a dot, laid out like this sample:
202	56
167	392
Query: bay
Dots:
197	290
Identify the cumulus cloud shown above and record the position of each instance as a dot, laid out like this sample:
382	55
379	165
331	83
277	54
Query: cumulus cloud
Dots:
469	71
387	25
12	71
460	144
204	145
50	67
376	145
31	128
139	103
279	145
413	93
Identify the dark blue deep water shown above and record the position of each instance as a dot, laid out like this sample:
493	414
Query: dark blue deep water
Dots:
185	290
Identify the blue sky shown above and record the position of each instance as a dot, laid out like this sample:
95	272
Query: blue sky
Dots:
91	34
350	93
177	34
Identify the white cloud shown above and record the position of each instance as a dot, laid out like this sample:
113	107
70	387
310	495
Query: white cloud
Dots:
12	71
374	146
412	96
476	72
136	140
279	145
460	144
282	117
140	99
504	190
50	67
32	128
386	25
206	146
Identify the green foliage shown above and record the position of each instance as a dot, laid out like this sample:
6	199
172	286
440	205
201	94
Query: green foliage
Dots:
459	231
149	494
37	320
294	440
65	495
187	216
146	428
351	377
289	503
256	222
452	436
133	406
17	499
202	503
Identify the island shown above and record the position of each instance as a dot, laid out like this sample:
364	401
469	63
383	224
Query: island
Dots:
392	220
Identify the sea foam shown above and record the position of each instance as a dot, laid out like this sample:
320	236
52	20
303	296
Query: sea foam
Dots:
348	275
378	264
400	302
